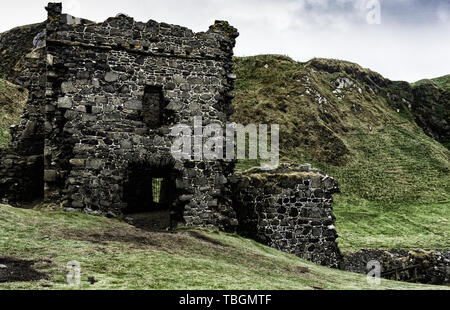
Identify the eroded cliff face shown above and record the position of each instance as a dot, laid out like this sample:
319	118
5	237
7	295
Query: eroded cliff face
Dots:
431	111
427	101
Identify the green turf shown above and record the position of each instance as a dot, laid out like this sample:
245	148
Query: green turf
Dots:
402	226
119	256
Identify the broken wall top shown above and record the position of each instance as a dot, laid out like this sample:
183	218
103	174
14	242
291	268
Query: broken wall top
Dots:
287	176
151	38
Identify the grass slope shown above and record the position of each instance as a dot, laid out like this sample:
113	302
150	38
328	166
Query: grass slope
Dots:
12	103
119	256
402	226
341	118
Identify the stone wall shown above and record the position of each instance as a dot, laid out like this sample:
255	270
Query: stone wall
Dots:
105	84
21	165
428	267
289	209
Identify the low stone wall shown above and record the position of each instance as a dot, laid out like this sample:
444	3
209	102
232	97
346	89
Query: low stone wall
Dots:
428	267
289	209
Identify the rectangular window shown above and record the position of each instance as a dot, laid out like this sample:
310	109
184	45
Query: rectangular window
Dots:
152	106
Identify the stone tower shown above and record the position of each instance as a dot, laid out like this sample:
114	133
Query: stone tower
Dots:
104	98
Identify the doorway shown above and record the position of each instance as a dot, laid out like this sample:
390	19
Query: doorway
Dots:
150	193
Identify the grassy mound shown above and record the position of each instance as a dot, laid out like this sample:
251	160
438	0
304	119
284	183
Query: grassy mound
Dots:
114	255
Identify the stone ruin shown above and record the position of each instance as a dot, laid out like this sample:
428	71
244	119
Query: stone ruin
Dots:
95	136
290	209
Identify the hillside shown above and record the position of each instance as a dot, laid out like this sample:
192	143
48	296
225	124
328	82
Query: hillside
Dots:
358	127
14	44
114	255
431	108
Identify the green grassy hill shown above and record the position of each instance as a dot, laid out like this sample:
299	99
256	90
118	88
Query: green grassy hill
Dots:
358	127
114	255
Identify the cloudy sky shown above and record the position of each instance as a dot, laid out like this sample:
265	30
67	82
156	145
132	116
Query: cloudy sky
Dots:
401	39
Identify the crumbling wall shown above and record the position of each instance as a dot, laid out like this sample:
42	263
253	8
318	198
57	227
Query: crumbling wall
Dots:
21	165
97	121
289	209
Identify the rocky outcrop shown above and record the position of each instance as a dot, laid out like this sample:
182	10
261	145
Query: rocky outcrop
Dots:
426	102
431	110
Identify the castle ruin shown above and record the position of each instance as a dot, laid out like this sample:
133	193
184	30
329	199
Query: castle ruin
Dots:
95	135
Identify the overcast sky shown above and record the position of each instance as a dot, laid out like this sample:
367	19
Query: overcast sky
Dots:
409	39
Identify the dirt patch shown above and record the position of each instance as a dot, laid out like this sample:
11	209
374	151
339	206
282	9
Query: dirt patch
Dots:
113	236
170	242
158	221
302	270
126	235
205	238
16	270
